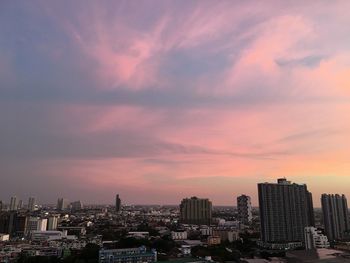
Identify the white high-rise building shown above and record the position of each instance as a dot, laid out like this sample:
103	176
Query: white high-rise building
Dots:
52	223
31	204
13	203
315	239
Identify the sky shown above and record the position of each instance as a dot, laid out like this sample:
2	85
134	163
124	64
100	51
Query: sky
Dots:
160	100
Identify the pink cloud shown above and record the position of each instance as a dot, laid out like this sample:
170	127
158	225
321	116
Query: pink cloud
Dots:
262	112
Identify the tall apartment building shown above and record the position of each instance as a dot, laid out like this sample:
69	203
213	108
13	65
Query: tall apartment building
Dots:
31	204
13	223
118	203
285	210
335	215
13	203
244	208
196	211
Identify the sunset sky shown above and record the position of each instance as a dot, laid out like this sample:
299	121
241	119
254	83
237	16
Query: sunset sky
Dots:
161	100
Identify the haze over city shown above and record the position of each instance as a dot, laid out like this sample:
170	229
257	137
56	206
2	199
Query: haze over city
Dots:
159	100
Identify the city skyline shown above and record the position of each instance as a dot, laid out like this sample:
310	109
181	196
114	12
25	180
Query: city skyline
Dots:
113	202
159	100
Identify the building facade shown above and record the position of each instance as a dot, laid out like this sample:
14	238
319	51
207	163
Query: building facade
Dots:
52	223
178	235
213	240
37	224
335	215
13	223
244	209
285	210
315	239
226	234
197	211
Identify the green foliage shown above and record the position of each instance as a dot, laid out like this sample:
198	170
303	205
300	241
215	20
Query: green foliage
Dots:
162	245
146	228
130	242
110	234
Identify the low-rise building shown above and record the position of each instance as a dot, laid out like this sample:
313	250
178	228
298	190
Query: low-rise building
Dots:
4	237
179	235
315	239
214	240
185	250
226	234
127	255
73	230
138	234
206	231
47	235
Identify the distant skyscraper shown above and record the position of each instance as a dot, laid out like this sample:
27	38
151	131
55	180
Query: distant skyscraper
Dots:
62	204
244	208
31	204
335	215
118	203
196	211
20	204
77	205
13	203
284	211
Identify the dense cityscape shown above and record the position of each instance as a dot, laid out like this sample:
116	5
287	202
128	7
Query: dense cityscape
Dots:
284	228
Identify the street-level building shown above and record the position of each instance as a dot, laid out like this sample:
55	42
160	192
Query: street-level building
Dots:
127	255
